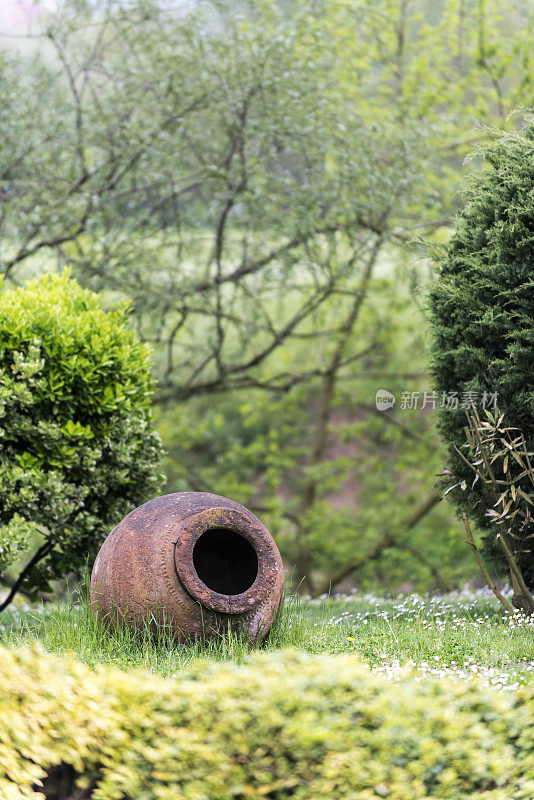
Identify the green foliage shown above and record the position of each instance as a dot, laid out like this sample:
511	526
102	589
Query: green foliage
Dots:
256	447
501	463
446	67
282	725
232	170
77	447
482	316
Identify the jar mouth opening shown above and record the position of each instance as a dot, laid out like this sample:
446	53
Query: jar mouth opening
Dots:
227	561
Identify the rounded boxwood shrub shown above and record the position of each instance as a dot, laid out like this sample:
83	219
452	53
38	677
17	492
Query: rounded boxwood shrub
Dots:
482	317
77	451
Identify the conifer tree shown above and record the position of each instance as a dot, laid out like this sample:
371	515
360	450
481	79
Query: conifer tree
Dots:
482	318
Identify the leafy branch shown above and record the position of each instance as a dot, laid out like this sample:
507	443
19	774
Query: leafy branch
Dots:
501	462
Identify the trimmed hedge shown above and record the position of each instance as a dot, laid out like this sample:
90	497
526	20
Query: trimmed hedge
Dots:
284	725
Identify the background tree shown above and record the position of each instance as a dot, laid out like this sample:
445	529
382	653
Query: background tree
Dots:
482	312
376	472
208	176
77	451
215	166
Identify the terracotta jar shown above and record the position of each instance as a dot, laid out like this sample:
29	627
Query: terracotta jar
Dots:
197	562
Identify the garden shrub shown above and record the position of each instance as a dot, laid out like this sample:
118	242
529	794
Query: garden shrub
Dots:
77	450
482	317
283	725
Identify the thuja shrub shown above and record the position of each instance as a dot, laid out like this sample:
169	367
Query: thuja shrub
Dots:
482	318
284	725
76	447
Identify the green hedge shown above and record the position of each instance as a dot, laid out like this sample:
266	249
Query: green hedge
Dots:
284	725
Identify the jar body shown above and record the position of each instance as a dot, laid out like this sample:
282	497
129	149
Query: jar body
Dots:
198	563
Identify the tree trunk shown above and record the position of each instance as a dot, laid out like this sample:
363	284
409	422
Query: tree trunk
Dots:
320	436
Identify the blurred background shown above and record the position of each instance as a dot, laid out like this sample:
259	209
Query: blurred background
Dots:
264	182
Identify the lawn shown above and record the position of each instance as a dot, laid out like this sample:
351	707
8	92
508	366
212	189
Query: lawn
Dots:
462	636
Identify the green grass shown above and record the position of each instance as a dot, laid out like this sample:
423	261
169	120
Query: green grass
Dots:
465	636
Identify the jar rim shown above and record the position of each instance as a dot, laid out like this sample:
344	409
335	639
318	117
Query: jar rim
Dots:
192	528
